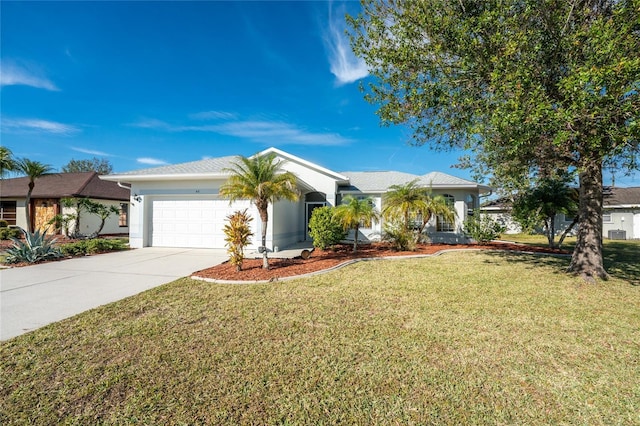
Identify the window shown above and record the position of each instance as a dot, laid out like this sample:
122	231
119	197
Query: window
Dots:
470	201
123	219
443	225
8	211
606	217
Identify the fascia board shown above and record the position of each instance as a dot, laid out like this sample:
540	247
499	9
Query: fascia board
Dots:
313	166
163	177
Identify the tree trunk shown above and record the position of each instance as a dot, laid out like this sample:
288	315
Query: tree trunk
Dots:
566	231
587	258
102	221
355	239
27	209
264	216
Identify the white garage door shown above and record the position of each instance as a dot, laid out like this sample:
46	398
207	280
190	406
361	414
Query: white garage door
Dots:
192	222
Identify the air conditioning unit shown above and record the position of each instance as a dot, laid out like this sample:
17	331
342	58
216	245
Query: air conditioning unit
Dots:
617	234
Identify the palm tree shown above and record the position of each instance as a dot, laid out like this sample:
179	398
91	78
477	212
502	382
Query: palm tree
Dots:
33	170
411	201
7	162
262	180
437	205
405	201
353	213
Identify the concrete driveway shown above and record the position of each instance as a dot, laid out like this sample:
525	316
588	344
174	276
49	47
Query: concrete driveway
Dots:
34	296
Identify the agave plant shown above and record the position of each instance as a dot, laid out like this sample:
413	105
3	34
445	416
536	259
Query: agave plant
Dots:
36	247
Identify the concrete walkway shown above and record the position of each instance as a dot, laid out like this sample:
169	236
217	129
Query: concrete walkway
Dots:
34	296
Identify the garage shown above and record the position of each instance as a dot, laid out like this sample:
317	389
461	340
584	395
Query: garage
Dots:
192	222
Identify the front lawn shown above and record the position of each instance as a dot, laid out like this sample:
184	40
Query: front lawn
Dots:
463	338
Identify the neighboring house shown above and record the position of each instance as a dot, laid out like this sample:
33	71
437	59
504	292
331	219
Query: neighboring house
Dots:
179	205
620	219
500	211
46	201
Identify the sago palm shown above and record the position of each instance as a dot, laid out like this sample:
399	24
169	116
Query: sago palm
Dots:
353	213
262	180
33	170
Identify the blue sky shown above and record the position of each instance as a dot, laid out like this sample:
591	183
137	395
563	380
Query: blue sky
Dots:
152	83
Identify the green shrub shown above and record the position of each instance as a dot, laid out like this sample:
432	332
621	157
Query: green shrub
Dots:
4	223
237	236
36	247
93	246
401	239
8	233
482	228
324	228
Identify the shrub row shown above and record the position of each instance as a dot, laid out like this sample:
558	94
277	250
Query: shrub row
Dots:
93	246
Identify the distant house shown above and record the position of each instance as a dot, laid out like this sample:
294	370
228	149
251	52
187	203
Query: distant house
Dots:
179	205
620	219
47	195
500	211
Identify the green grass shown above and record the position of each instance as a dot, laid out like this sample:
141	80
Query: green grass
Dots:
621	257
464	338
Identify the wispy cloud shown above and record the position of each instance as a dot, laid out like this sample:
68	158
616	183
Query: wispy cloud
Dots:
13	75
212	115
343	63
151	161
267	132
91	152
37	126
151	123
275	133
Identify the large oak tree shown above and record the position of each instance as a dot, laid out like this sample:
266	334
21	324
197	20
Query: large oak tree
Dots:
526	85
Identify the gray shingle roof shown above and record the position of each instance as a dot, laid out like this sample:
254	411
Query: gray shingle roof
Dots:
622	196
376	181
206	166
372	182
443	179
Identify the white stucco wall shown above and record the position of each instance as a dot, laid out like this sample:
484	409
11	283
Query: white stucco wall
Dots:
316	179
89	223
21	220
621	220
505	219
286	224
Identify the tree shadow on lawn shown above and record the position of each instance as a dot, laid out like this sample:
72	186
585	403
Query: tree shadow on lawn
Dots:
621	260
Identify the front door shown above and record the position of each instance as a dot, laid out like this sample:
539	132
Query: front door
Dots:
310	208
45	211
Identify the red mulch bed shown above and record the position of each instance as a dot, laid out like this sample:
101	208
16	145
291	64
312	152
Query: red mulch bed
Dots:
324	259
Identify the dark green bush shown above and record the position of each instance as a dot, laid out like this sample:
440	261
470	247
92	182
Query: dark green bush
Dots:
324	228
4	224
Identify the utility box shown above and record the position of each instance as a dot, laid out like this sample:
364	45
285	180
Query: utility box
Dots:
617	234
